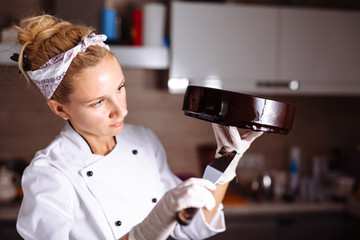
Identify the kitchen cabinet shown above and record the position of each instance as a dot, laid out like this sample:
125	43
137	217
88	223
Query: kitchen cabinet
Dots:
156	58
310	226
233	43
253	227
324	225
8	230
8	215
263	49
321	50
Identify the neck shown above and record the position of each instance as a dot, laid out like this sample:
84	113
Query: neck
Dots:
98	145
101	146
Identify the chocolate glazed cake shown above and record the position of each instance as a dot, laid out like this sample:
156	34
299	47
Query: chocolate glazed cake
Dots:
237	109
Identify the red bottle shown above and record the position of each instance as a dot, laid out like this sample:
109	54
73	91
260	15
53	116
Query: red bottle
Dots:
136	32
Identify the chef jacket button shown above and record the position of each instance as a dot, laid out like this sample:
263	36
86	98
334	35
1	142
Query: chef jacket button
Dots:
89	173
134	151
118	223
154	200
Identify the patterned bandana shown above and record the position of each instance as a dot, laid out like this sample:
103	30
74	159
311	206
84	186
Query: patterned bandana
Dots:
48	77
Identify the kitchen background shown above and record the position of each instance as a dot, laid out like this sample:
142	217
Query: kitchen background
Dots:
325	125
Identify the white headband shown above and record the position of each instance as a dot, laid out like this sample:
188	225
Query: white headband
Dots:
48	77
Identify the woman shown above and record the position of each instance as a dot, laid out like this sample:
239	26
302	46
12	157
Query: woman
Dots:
101	178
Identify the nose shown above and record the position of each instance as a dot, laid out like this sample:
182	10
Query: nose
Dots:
118	108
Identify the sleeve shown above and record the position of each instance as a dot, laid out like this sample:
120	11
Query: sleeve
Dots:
46	209
199	228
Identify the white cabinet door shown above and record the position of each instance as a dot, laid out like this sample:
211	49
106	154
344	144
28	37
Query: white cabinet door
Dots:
320	49
233	43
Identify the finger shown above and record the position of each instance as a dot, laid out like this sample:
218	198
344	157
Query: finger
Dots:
201	197
226	137
221	133
195	193
201	182
234	136
209	201
251	136
207	184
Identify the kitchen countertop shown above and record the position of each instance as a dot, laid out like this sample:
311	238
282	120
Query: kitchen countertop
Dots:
236	206
282	207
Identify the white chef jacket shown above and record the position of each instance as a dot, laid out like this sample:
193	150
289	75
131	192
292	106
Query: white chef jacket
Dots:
71	193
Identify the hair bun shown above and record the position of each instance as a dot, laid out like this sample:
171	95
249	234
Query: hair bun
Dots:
46	36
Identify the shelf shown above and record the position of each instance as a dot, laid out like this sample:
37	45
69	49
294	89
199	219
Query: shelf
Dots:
7	50
156	58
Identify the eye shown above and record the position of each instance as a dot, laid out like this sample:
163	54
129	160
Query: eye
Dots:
120	87
97	103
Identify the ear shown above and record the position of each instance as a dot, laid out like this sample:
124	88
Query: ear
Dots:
57	108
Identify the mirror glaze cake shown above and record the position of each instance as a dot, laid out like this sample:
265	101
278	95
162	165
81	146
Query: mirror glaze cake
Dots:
238	109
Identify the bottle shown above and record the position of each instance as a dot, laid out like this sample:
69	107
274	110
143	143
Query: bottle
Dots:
294	169
109	23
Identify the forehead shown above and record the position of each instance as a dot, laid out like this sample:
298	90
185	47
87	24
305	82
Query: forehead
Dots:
98	81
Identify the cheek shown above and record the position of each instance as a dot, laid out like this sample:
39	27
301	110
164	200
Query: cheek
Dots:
124	101
99	116
90	119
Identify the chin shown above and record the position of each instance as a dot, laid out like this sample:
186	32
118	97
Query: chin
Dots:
118	130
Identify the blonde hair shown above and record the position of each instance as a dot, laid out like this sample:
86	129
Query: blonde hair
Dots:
45	36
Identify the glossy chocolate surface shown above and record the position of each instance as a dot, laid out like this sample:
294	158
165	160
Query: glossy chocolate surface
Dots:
238	109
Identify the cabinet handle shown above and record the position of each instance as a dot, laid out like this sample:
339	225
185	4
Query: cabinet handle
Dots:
292	85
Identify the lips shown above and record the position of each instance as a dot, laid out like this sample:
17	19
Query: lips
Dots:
117	124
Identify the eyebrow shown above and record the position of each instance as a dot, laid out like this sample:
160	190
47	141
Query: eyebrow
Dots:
100	97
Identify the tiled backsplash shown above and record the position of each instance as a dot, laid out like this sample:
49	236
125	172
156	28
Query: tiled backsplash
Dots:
321	123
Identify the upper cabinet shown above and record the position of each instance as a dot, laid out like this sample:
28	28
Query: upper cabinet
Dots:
321	49
266	49
231	43
227	42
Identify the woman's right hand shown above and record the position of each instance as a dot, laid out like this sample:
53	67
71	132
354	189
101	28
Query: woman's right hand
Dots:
161	221
229	138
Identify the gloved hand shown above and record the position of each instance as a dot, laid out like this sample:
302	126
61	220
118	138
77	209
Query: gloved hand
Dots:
229	138
160	222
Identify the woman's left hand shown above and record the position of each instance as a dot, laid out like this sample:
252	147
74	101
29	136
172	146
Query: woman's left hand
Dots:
230	139
192	193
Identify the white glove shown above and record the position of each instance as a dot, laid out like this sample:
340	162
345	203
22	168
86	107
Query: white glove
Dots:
229	138
161	221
